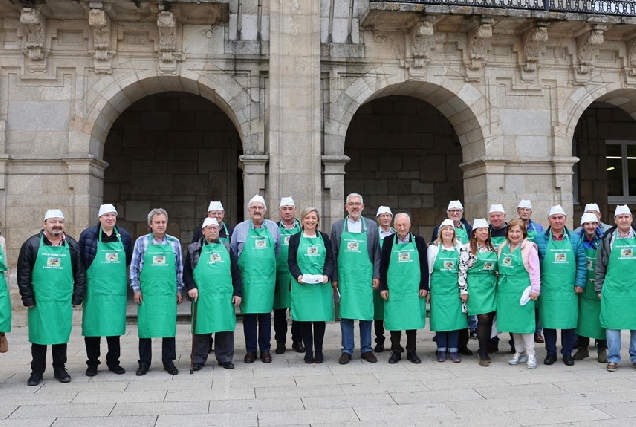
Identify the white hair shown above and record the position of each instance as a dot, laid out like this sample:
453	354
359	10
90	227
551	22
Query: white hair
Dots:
157	211
404	214
354	195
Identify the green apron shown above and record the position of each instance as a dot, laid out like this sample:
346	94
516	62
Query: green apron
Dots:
589	304
482	283
513	280
157	314
213	276
378	302
282	292
5	298
461	235
405	309
225	239
497	241
311	302
619	291
531	235
558	304
257	263
446	305
50	320
355	275
104	306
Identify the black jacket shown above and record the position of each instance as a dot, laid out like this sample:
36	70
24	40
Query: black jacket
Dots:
197	234
192	259
88	244
385	260
26	262
292	258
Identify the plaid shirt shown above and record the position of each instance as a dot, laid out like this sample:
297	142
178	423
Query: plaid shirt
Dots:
137	262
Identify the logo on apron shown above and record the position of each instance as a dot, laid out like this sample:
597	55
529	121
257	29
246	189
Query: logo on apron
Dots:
560	257
406	257
449	265
507	261
260	244
286	240
53	262
159	260
489	265
214	258
112	257
352	246
589	264
312	250
627	253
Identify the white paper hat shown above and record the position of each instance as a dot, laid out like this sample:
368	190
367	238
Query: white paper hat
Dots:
455	204
525	204
588	217
215	205
53	213
209	221
287	201
592	207
496	208
447	222
257	198
479	222
384	209
622	209
554	210
104	209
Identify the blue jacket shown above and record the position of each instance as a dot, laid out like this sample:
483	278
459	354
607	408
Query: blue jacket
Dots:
535	226
541	241
88	244
590	244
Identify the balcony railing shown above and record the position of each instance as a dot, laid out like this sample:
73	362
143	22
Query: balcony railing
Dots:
599	7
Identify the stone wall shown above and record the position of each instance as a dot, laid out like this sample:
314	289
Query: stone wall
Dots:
404	154
175	151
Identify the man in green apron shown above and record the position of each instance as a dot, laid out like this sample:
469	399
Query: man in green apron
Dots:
356	248
563	277
212	277
256	243
106	252
594	209
384	218
288	226
614	285
156	272
51	281
404	286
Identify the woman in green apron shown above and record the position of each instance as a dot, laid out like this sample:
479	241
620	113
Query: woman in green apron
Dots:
477	274
517	290
447	315
5	299
311	265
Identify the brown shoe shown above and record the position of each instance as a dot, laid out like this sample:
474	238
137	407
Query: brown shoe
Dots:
538	338
612	367
266	357
344	358
249	357
369	357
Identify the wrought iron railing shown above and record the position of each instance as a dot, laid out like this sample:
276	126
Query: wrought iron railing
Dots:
602	7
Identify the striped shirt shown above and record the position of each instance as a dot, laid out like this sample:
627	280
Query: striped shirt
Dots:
139	251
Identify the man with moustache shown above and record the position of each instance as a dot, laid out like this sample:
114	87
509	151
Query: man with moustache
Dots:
106	251
51	282
356	247
256	242
384	218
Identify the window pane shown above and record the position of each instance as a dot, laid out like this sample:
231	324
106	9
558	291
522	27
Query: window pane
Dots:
615	170
631	168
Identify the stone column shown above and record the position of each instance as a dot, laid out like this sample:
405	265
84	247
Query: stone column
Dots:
333	203
254	168
294	103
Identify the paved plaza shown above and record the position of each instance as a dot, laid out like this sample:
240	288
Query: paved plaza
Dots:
290	392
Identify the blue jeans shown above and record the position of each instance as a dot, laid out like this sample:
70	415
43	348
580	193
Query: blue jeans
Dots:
348	341
567	340
264	334
614	345
447	340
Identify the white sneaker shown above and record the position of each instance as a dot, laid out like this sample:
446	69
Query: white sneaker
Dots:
532	362
518	358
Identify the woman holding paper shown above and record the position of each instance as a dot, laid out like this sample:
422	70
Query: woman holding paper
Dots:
311	264
517	291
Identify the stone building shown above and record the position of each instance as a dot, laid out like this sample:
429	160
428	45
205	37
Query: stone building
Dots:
172	103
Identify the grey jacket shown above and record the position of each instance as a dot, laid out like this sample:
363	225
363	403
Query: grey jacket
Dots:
373	245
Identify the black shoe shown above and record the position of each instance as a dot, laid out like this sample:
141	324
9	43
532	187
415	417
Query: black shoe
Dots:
379	347
142	369
116	369
568	360
35	378
61	375
281	347
227	365
413	357
395	357
493	349
171	369
197	366
298	346
465	351
91	371
550	359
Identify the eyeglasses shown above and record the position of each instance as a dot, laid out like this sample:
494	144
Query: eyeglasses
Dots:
455	211
257	208
354	204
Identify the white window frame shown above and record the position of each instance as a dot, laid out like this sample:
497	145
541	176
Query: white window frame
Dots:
621	200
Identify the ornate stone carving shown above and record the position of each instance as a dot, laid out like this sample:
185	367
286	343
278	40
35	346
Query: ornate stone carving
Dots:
588	48
478	46
533	42
34	26
168	42
631	59
422	43
99	20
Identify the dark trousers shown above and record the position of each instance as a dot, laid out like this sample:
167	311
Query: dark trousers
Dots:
567	340
447	341
38	355
463	338
258	331
379	331
93	352
280	327
223	350
312	339
168	351
396	337
584	342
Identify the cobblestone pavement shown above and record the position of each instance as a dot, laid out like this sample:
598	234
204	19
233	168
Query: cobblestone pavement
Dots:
290	392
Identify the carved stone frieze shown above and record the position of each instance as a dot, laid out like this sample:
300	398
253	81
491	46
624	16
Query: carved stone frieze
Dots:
34	26
99	21
168	56
422	42
587	46
479	44
533	42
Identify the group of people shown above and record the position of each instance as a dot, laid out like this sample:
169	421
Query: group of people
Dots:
491	272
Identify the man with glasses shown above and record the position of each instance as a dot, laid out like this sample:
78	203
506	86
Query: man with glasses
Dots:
455	213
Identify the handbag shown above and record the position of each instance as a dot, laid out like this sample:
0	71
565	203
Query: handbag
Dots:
4	344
